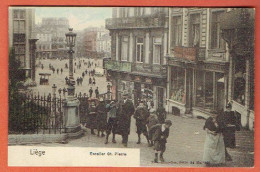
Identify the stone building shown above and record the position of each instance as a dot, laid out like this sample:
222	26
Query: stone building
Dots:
238	28
197	62
52	32
138	46
22	39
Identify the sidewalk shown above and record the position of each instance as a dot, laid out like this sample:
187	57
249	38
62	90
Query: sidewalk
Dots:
184	148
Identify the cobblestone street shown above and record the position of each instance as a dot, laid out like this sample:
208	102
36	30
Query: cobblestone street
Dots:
184	147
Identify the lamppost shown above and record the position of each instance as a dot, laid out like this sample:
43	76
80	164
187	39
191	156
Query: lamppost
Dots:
71	103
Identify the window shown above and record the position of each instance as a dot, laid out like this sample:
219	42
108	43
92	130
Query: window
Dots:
216	41
176	31
140	50
124	48
177	91
194	38
204	90
239	81
157	50
19	26
124	12
139	11
15	13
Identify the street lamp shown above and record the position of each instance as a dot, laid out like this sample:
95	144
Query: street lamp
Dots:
71	39
71	104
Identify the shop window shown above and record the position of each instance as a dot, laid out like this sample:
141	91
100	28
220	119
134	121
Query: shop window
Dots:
239	80
204	90
157	50
216	40
194	38
124	48
176	31
177	92
140	50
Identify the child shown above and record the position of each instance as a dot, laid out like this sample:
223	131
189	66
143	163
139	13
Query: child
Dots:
159	136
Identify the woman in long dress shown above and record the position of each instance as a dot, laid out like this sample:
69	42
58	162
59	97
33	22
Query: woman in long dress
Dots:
214	148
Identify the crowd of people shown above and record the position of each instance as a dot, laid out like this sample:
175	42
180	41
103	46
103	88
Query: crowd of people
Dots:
114	118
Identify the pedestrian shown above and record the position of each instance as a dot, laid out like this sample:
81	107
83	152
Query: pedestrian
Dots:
53	70
89	81
64	91
97	92
141	116
126	110
60	90
57	71
90	92
94	82
112	120
101	117
66	79
61	70
108	87
152	120
214	146
92	118
160	133
83	74
81	80
161	113
78	81
229	124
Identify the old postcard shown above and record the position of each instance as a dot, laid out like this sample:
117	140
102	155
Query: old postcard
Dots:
131	86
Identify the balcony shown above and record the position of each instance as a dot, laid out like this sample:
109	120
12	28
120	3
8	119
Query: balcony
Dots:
136	22
189	53
152	70
118	66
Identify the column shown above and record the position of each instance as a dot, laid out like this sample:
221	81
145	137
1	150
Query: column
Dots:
117	48
147	39
131	47
164	47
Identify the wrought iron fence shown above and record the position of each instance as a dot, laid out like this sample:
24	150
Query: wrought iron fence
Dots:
34	114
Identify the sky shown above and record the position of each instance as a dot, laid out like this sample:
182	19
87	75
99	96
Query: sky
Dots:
79	17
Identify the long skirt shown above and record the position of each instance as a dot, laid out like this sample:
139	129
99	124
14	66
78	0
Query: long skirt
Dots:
214	149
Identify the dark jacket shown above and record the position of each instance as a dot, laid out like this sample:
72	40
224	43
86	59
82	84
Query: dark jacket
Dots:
157	134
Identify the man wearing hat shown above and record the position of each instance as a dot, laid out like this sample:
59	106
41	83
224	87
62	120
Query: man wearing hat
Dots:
126	110
160	133
228	124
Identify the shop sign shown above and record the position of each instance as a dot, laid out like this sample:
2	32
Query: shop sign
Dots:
148	80
118	66
186	53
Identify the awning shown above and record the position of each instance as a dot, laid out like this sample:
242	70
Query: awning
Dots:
238	18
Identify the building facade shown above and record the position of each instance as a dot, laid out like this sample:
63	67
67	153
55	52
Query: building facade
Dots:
198	62
21	36
51	32
238	28
44	43
138	46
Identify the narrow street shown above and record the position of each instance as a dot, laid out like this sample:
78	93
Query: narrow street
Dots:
185	145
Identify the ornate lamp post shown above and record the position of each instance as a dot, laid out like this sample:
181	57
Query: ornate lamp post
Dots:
71	104
70	39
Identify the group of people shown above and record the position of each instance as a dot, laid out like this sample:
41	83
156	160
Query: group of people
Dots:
115	118
91	92
220	135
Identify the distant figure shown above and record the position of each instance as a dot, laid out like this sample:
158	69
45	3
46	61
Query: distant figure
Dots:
90	92
64	91
57	71
90	81
61	70
97	92
60	90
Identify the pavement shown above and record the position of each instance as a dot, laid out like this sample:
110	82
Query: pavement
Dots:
184	146
186	140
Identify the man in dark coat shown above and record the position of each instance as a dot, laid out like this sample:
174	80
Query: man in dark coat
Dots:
160	133
228	124
141	116
90	92
126	110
